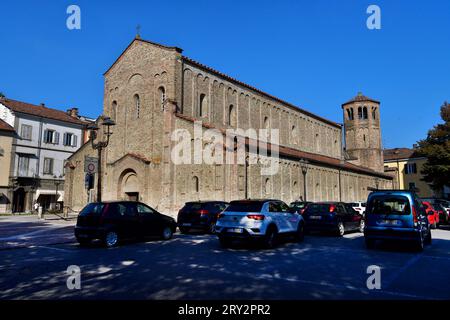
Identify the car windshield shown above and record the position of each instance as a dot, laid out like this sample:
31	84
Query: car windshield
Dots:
318	208
193	206
298	205
396	205
94	209
245	206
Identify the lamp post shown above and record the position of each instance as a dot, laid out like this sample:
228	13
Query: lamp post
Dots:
57	184
304	166
107	124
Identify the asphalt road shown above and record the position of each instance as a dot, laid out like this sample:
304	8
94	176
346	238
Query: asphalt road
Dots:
195	267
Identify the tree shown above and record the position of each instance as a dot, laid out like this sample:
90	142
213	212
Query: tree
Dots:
2	95
436	147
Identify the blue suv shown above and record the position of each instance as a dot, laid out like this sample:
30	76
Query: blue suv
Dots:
396	215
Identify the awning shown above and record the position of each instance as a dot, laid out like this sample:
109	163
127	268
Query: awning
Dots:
50	193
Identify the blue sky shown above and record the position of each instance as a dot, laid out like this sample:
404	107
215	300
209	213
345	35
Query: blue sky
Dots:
315	54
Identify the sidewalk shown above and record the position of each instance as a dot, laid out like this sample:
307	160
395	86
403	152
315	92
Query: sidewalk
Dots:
27	230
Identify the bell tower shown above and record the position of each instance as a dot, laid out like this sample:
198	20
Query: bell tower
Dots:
363	133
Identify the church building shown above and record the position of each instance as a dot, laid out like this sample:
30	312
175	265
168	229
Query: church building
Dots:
152	90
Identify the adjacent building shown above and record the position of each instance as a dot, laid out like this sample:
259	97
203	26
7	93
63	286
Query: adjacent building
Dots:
406	167
152	90
7	134
44	138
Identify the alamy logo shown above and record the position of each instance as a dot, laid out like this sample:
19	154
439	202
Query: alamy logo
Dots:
374	280
236	146
73	22
74	277
374	20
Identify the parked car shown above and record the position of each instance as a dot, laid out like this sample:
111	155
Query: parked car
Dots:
444	203
444	216
260	220
336	217
299	206
396	215
359	206
112	222
200	215
432	214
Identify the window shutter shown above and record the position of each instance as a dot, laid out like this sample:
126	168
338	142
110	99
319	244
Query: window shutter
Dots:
56	137
65	139
74	140
46	136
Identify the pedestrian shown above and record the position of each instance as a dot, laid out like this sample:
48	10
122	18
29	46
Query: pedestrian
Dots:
36	206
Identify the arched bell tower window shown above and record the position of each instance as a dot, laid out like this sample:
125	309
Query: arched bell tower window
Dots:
365	116
360	113
231	121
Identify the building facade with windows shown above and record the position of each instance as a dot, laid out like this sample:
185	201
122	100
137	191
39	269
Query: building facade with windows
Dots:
406	166
152	90
44	139
7	134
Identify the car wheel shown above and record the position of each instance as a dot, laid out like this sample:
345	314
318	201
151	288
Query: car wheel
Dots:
428	239
271	238
361	226
167	233
341	229
111	239
300	234
370	244
184	230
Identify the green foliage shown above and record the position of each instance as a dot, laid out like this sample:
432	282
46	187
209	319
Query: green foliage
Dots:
436	147
2	95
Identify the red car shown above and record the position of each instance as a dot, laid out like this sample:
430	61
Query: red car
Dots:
432	213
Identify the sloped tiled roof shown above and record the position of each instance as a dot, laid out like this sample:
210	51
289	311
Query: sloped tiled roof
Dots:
400	153
5	127
39	111
360	98
297	154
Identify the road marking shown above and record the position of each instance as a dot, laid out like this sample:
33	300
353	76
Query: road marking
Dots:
50	248
397	274
25	236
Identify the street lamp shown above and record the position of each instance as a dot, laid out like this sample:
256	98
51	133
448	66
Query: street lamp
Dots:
57	184
107	124
304	166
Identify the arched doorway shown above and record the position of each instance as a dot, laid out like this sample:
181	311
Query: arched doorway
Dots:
19	200
129	185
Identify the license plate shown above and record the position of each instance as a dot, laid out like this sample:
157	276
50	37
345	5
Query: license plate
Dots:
235	230
315	217
390	222
186	224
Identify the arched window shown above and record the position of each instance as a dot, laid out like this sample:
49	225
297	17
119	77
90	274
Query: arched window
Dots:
162	96
114	110
350	113
365	116
196	184
137	105
231	116
202	106
374	113
266	123
360	113
267	186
